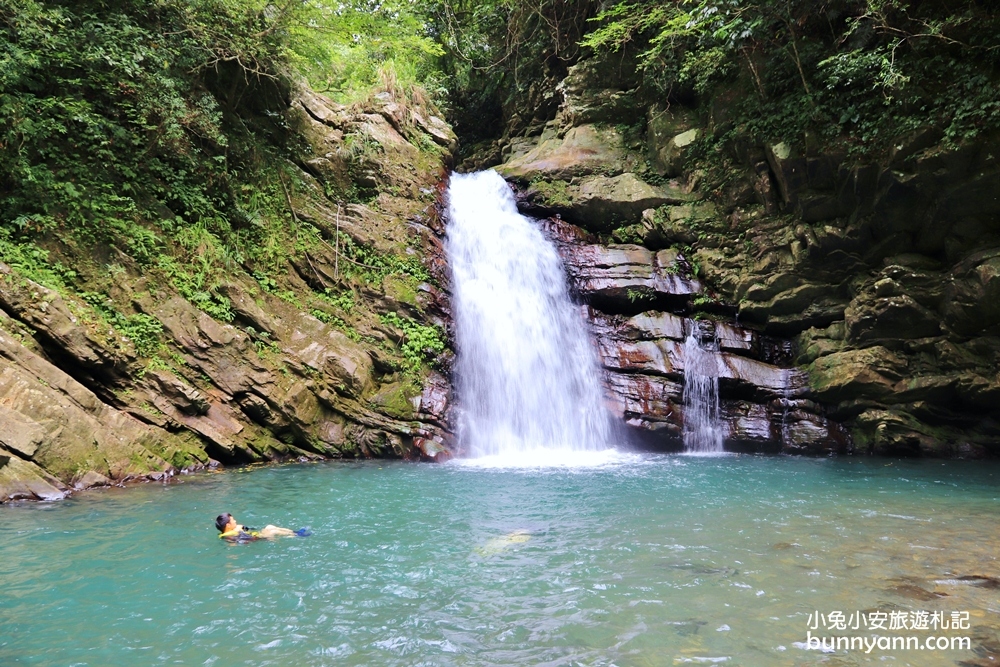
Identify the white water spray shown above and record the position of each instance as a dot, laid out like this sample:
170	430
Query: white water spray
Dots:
702	431
528	383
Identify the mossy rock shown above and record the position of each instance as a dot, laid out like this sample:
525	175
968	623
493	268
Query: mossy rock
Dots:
396	400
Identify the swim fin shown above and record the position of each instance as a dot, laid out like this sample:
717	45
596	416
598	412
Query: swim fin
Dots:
304	532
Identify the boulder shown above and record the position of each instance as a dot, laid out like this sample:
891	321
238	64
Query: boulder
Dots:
652	325
867	373
748	426
897	433
649	357
397	399
743	373
895	317
646	401
62	427
20	433
433	450
435	399
671	157
45	311
736	339
584	150
328	351
805	432
601	203
683	223
796	305
440	132
973	295
183	396
23	480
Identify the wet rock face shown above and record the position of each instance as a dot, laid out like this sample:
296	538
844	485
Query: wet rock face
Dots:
881	278
642	351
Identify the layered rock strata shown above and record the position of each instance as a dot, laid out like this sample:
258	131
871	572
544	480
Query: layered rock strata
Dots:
884	273
632	298
289	377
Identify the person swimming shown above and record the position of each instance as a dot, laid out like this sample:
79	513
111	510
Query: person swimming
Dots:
232	531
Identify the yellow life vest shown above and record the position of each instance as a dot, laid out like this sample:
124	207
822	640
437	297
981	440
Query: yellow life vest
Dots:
240	533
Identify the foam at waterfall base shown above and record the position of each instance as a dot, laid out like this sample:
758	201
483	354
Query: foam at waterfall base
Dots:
544	457
698	454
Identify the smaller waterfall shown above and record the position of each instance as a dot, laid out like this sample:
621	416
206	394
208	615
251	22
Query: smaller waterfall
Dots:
702	429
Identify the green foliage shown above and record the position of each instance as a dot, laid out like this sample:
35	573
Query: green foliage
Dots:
33	262
372	266
197	286
629	234
351	47
703	300
105	115
145	331
859	73
343	301
113	134
262	343
421	343
495	53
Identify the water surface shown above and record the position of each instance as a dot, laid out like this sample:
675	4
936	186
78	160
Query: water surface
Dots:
643	560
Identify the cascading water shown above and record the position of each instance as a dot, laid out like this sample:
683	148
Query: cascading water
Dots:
526	375
702	431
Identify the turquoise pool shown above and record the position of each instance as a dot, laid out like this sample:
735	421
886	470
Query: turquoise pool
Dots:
643	560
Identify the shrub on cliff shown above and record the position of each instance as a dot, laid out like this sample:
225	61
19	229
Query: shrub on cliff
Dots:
860	72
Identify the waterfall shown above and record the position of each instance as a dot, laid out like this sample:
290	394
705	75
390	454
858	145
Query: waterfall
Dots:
702	430
527	377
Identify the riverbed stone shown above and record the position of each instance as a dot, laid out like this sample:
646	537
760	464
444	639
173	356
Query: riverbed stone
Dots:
89	479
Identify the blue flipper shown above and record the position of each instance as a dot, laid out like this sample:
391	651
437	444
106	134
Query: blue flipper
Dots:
304	532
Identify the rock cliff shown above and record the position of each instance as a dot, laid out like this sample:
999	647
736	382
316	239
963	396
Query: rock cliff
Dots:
327	360
855	301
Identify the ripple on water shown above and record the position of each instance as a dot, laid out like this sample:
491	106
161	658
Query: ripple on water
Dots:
634	560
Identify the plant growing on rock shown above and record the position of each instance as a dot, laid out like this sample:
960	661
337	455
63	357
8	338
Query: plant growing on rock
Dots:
421	343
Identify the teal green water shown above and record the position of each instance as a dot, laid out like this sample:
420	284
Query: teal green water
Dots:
658	560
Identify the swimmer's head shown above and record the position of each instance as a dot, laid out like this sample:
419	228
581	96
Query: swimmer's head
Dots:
223	520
